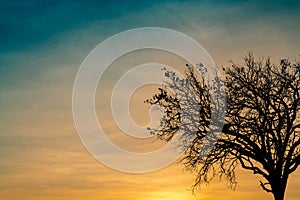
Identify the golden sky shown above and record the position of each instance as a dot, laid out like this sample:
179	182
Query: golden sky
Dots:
41	154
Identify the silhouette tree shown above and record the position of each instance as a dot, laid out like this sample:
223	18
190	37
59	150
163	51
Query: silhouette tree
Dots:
261	126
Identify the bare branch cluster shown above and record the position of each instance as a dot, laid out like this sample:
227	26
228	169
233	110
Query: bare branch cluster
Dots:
262	124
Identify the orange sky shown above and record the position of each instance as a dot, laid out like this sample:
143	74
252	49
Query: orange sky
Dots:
41	154
43	157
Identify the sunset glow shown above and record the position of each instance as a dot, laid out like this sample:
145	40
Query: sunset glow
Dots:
42	47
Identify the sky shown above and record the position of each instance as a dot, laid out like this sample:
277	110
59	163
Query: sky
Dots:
42	47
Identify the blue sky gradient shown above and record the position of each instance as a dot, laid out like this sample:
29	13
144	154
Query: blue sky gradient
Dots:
37	32
25	24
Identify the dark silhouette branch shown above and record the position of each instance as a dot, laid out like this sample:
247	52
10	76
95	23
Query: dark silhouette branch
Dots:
261	127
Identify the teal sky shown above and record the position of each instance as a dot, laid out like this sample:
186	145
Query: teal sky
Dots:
42	45
36	32
26	25
36	36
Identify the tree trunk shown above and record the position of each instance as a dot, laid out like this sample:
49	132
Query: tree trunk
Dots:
279	189
278	195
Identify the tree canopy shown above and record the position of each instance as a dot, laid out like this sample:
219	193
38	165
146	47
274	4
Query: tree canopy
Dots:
261	127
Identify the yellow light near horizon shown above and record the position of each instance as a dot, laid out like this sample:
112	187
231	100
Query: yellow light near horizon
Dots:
167	195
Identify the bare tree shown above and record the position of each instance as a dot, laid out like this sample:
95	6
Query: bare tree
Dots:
261	127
